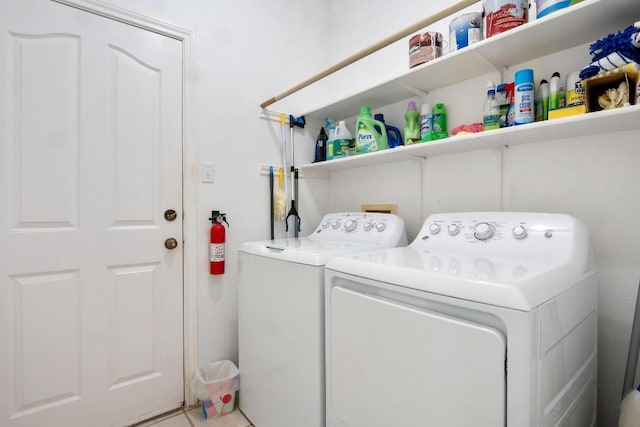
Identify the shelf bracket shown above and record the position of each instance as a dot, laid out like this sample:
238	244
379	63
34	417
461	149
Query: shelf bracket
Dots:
421	93
500	69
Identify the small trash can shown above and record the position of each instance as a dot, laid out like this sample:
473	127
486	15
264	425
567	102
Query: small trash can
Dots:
216	385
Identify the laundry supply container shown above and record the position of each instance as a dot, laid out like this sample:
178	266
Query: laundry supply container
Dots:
216	385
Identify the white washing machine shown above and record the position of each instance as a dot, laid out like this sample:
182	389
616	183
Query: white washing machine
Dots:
485	319
281	315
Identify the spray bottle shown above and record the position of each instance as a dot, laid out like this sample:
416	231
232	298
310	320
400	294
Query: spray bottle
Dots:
330	129
491	118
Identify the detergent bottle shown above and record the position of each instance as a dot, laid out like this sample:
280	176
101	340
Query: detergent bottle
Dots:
394	137
368	138
340	143
412	126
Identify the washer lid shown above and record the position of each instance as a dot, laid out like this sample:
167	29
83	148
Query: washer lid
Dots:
337	234
305	250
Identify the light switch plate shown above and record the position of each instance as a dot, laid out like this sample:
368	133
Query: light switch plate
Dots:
206	172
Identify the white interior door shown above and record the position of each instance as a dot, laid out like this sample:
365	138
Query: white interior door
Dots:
390	364
90	160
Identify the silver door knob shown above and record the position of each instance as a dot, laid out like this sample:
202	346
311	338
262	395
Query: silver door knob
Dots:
171	243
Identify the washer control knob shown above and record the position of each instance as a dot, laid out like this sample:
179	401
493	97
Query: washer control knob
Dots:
519	232
326	224
484	231
434	228
381	226
335	225
453	229
368	226
351	225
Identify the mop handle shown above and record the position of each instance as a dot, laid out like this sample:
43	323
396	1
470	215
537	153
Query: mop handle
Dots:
634	349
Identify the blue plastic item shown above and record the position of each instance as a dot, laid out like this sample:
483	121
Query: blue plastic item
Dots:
394	136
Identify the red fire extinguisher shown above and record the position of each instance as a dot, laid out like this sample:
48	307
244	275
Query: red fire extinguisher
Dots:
216	242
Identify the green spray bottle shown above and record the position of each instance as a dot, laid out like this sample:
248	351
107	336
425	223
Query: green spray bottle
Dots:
439	122
370	138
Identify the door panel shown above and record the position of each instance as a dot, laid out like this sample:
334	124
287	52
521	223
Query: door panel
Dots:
90	159
45	130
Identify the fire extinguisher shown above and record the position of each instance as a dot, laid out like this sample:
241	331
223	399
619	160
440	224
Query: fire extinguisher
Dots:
216	242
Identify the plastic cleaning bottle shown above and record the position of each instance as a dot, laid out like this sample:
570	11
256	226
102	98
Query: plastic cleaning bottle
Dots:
426	122
575	89
339	145
542	109
503	106
491	118
368	138
330	129
524	97
439	122
412	124
556	92
321	146
394	137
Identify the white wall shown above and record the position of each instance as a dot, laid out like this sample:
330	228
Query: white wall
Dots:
246	52
594	178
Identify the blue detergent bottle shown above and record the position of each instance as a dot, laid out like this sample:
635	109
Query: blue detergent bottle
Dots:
394	136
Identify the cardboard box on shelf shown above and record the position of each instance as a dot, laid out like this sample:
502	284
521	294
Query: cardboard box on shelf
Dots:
598	85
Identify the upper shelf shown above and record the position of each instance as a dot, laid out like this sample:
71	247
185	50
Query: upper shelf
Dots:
598	123
582	23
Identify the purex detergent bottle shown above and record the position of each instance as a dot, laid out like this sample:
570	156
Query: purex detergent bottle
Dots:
368	138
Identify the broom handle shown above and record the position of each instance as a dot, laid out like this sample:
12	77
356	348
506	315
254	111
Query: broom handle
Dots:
461	4
634	349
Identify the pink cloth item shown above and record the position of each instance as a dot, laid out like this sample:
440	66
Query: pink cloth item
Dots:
464	129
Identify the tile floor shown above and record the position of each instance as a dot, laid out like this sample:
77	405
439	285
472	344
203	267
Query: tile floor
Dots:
193	418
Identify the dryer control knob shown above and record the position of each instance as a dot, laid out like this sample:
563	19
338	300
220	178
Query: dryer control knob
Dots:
368	226
484	231
453	229
519	232
325	224
351	225
434	228
381	226
335	224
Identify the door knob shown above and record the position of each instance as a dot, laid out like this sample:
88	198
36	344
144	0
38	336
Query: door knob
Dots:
170	215
171	243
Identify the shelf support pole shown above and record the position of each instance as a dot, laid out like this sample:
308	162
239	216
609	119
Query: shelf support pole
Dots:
441	14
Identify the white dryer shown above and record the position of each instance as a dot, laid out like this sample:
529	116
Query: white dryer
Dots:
281	315
486	319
